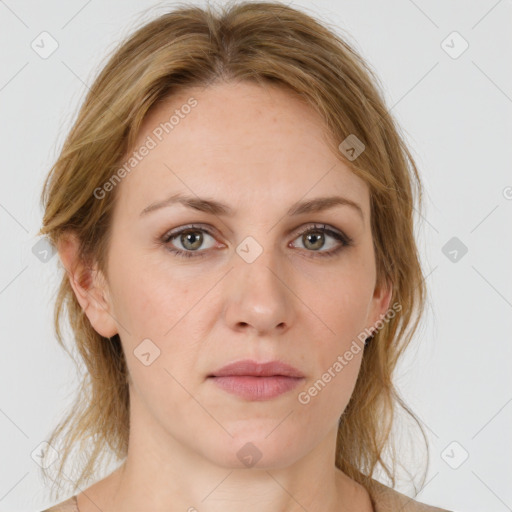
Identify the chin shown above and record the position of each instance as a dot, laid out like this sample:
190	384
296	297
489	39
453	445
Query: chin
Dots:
256	449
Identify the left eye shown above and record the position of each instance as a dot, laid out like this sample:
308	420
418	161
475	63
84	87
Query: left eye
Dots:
191	239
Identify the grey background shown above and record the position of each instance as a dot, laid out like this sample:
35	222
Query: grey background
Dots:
456	116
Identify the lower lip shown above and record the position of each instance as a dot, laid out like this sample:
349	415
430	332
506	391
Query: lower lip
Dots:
256	388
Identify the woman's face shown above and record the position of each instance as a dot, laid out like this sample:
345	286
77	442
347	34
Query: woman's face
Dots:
254	282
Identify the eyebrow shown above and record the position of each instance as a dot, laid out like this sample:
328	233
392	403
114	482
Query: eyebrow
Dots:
217	208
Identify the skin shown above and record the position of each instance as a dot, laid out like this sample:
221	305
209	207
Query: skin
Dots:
258	149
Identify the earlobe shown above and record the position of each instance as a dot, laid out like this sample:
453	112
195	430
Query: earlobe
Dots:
89	286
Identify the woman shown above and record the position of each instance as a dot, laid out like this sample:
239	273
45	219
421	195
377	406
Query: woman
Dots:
233	212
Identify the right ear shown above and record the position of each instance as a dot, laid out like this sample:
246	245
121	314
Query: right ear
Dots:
89	285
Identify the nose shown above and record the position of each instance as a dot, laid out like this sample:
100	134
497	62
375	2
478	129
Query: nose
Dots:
259	298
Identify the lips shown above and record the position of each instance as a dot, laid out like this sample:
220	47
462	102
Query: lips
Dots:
251	380
251	368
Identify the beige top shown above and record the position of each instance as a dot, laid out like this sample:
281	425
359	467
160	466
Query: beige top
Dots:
384	499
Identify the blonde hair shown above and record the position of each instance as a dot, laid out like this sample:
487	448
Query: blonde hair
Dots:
262	42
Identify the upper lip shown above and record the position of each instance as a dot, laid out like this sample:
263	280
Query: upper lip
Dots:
253	368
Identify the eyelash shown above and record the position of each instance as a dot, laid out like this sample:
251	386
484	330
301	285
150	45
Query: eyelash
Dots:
345	240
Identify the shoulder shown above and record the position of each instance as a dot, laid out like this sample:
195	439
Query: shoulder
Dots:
386	499
70	505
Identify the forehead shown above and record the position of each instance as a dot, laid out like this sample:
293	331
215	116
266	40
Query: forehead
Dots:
242	141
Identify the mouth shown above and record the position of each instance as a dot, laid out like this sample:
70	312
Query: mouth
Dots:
257	381
250	368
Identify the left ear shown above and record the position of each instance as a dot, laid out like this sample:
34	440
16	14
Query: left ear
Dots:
380	303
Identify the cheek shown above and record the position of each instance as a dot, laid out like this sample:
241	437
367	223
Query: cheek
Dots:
148	298
159	307
326	395
342	306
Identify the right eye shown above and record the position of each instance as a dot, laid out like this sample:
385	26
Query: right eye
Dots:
191	238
